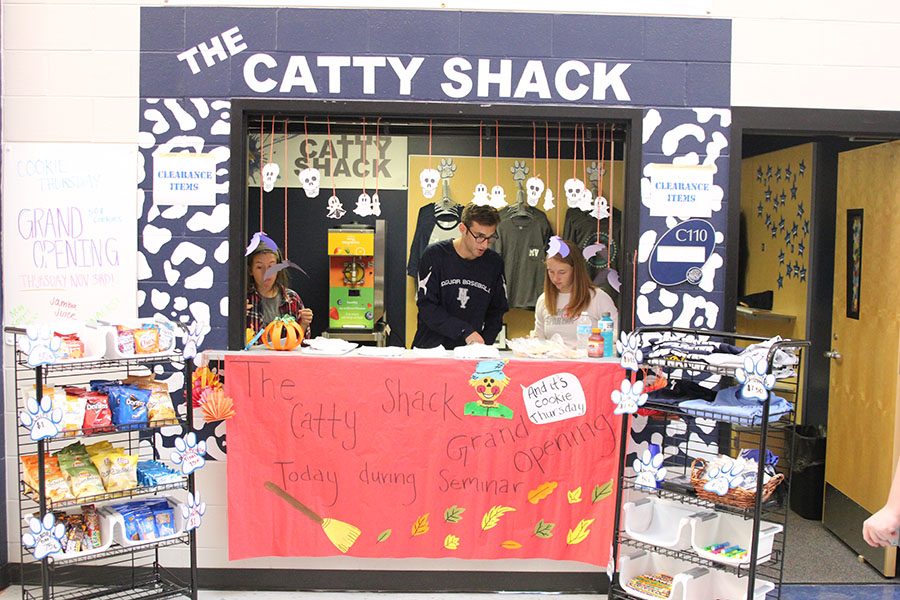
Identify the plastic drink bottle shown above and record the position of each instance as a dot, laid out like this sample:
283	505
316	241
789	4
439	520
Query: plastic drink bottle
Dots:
606	330
582	332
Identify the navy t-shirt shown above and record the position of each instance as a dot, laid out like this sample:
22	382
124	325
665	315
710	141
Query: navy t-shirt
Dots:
456	297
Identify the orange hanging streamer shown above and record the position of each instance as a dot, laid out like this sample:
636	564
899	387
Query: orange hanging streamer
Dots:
331	157
285	191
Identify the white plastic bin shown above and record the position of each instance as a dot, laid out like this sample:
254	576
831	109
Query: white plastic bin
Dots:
685	576
106	540
119	529
659	522
725	586
112	336
718	528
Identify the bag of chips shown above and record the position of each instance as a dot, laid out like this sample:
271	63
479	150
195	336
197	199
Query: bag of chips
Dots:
82	475
125	340
73	413
97	416
128	405
117	470
92	524
56	486
146	339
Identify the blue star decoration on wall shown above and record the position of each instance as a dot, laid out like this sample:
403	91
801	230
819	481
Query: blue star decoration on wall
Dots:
787	237
759	210
781	257
800	248
802	167
800	210
783	196
787	172
768	220
790	247
794	190
768	171
787	272
778	174
794	231
774	231
781	224
759	173
803	274
780	281
806	227
768	194
796	268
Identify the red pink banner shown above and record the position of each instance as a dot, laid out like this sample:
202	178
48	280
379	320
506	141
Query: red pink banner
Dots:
394	458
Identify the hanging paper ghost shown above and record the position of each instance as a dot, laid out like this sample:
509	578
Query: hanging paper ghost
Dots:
480	197
535	187
363	205
498	197
309	179
376	205
601	208
573	189
270	176
429	180
335	208
586	203
549	203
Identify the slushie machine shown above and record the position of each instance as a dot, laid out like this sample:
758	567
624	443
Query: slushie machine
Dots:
356	282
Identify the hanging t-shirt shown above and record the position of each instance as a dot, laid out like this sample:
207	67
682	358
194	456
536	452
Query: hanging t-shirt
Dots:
546	324
456	297
432	225
522	243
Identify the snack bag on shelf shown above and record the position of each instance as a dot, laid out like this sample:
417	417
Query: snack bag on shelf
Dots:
166	337
164	517
125	340
74	407
92	524
97	448
146	339
159	405
83	478
72	346
152	473
97	416
117	470
129	405
56	486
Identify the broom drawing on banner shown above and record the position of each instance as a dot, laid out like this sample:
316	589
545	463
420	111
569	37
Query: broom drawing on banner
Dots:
341	534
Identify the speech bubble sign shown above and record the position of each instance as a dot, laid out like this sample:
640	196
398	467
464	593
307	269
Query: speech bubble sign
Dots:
554	398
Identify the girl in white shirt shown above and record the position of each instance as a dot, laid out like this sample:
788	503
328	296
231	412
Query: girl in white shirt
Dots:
568	292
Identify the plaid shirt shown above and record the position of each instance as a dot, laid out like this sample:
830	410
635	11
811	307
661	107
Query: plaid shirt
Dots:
291	305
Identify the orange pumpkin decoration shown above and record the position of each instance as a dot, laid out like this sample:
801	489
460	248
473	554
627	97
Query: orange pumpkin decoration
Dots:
284	333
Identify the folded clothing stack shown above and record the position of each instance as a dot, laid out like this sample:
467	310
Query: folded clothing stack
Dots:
731	406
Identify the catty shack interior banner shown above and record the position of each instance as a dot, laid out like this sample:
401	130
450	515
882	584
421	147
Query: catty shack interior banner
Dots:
395	458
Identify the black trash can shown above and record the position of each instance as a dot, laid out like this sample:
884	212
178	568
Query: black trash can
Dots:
808	471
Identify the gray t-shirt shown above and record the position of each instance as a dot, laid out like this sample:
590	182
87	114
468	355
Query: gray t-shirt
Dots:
270	308
523	245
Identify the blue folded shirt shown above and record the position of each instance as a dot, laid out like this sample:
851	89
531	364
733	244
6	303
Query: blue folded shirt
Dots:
732	407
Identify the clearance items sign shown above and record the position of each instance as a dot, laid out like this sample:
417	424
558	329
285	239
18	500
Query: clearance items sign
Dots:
421	458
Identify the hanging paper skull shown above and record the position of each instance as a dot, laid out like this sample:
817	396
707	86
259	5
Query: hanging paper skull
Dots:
270	175
498	197
480	197
309	179
335	208
573	189
363	205
535	187
376	205
429	180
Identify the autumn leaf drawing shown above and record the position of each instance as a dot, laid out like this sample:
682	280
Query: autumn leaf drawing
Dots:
384	535
492	517
511	545
454	514
574	496
451	542
580	533
544	530
541	491
601	492
421	525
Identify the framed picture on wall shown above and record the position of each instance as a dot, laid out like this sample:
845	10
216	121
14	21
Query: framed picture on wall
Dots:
854	260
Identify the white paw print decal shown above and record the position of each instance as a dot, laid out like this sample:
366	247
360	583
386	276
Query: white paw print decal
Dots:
42	420
722	478
193	512
45	536
629	397
194	334
41	346
629	348
755	382
649	468
189	453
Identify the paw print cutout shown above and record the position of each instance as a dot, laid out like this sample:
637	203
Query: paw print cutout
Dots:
649	469
193	511
189	453
41	346
628	398
519	171
594	172
45	536
446	168
755	382
629	348
42	420
722	478
193	337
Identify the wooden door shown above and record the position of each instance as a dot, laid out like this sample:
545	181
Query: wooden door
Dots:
863	412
